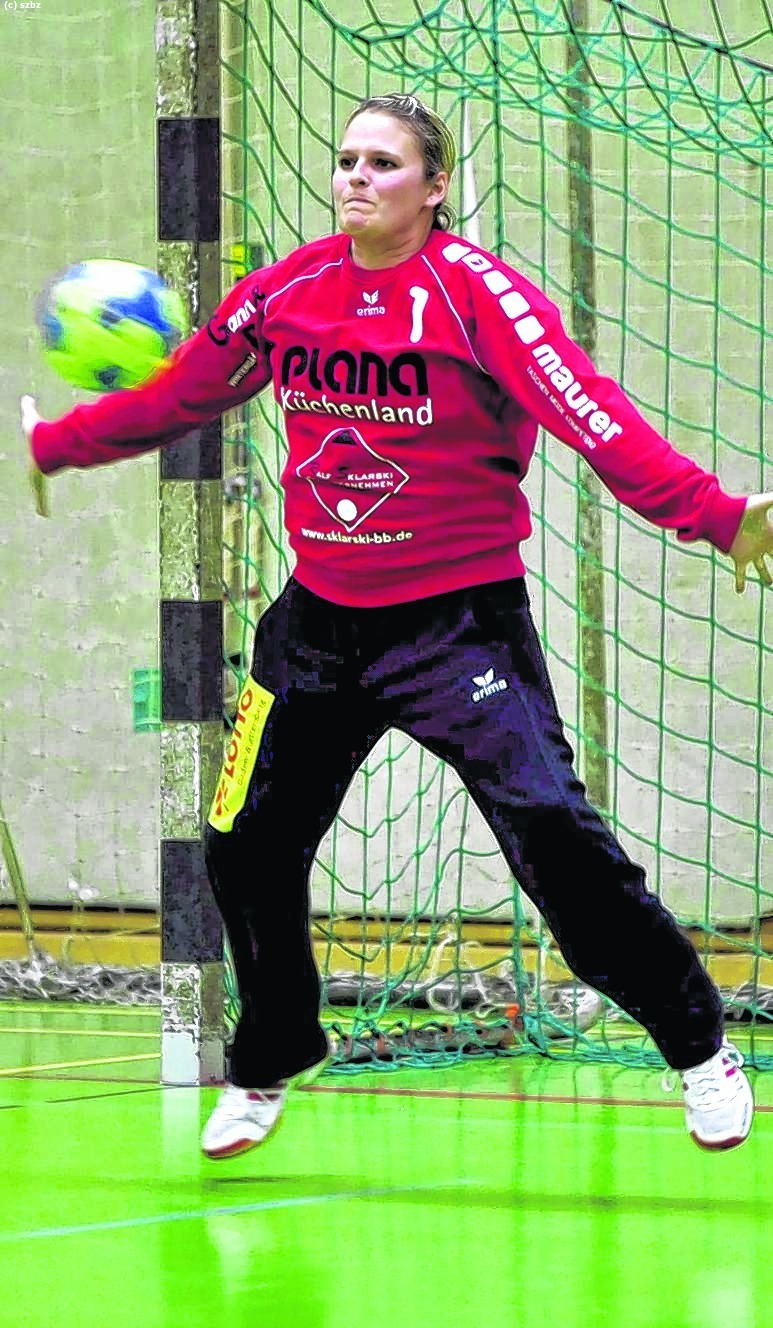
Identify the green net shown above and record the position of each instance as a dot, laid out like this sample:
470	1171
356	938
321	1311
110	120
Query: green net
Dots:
620	161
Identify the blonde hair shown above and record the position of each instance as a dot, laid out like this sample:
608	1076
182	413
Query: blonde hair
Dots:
435	140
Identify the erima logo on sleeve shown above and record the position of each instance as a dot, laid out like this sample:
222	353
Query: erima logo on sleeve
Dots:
530	331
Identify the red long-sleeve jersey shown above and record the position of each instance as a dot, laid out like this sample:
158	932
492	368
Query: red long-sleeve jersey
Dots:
412	398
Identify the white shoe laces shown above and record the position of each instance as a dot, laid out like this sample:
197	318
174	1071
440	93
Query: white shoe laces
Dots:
703	1079
234	1103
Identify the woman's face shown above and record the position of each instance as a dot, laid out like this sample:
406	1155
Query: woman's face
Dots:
379	185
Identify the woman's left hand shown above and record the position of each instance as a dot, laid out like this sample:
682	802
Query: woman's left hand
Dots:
754	540
38	482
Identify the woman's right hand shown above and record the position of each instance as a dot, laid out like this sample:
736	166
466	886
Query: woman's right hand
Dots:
29	418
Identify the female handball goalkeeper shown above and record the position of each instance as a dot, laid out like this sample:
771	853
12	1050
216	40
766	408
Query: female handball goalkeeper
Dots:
414	369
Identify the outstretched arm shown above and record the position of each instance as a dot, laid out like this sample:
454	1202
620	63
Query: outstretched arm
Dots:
220	366
520	340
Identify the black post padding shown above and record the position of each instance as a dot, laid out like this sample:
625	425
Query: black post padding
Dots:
189	179
197	456
191	927
191	660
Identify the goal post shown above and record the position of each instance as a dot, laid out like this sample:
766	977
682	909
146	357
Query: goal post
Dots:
190	554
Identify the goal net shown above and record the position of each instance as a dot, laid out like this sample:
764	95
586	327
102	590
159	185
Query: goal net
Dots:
618	155
619	161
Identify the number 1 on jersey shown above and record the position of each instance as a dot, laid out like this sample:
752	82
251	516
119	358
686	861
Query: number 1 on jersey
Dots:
419	296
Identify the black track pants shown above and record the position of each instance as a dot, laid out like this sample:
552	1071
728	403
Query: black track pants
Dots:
463	674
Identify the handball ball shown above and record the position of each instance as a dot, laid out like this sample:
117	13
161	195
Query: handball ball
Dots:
107	324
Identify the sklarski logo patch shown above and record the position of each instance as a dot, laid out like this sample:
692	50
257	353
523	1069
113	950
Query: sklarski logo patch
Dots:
488	685
349	479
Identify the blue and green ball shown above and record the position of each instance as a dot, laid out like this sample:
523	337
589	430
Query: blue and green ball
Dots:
108	324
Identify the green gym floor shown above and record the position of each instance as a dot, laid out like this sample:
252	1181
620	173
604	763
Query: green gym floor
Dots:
502	1194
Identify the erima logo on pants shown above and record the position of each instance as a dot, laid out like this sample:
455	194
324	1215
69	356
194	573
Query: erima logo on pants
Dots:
488	685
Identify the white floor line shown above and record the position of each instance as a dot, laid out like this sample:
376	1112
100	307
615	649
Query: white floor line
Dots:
196	1215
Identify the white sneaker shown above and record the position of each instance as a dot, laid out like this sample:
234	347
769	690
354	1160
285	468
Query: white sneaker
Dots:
244	1118
719	1100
